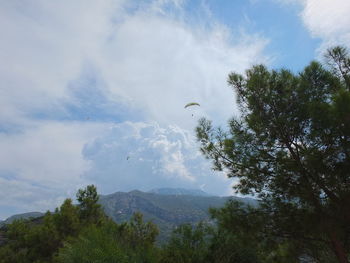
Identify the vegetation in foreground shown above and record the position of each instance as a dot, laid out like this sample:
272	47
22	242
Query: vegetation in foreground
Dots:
82	233
290	147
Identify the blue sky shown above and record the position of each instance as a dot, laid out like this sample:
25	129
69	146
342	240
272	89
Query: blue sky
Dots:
94	91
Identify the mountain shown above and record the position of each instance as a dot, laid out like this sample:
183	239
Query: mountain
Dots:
21	216
174	209
165	209
178	191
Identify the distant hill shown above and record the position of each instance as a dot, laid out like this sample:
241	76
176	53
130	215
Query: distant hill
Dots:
21	216
166	207
163	207
178	191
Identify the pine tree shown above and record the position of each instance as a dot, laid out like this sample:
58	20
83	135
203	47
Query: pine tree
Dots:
290	147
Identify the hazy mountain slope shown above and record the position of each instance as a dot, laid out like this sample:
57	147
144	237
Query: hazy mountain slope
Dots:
21	216
175	209
178	191
166	207
166	210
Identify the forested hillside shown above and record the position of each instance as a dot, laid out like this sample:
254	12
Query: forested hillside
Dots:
166	207
84	233
166	210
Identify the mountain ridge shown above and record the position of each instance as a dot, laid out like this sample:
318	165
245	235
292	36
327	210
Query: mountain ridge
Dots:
178	191
27	215
166	207
165	210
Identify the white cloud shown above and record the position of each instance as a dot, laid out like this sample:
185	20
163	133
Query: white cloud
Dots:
145	156
156	62
162	64
43	164
327	20
18	196
152	61
44	45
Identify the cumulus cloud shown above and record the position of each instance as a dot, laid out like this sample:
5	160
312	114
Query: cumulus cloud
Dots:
146	156
70	67
327	20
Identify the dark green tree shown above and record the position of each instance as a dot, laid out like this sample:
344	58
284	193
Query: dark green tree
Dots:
188	244
90	210
94	244
15	250
131	241
40	240
290	147
140	232
138	239
30	242
43	240
67	219
249	234
227	247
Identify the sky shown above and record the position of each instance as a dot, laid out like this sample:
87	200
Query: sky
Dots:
93	92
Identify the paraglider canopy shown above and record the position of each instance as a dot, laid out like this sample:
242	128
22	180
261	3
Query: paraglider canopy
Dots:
192	104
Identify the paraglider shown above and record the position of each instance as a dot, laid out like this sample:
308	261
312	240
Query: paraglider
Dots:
192	104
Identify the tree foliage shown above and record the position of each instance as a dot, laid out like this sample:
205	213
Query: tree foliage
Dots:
39	240
187	244
290	147
80	233
132	241
89	209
